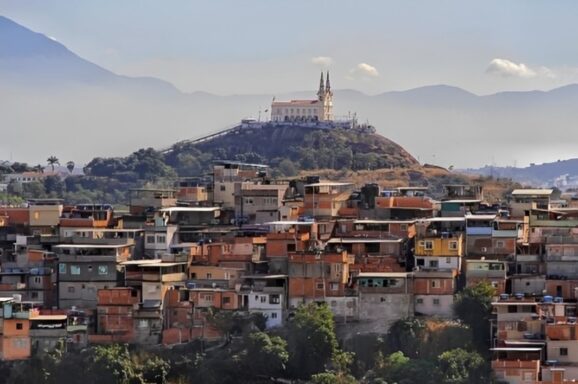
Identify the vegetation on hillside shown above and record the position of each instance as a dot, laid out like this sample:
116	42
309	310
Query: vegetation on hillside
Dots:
306	350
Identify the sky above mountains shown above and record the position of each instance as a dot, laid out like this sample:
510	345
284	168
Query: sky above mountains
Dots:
269	46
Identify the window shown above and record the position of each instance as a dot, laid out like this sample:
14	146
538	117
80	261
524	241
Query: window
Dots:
161	239
103	269
320	286
436	301
37	280
34	295
70	289
512	309
290	247
435	284
19	326
62	269
453	245
150	239
433	263
419	301
274	299
420	262
403	227
499	244
75	270
226	300
274	315
209	275
263	298
563	351
223	188
334	286
428	245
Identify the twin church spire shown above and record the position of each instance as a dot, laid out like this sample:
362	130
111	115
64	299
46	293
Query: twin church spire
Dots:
324	87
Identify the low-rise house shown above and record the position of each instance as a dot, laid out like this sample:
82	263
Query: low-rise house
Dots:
478	239
114	315
47	332
325	199
439	249
383	298
83	269
321	277
517	365
144	202
524	200
489	271
14	329
434	293
265	294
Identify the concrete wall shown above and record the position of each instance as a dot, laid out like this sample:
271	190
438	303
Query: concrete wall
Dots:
378	311
427	305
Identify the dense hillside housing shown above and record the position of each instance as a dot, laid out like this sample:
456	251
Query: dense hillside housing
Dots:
247	244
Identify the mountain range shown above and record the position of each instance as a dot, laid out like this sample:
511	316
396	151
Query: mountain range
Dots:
53	102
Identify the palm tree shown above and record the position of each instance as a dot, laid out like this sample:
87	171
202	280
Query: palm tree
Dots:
70	166
52	160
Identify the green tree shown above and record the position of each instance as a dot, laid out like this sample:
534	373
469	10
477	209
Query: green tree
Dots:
406	336
112	364
400	369
264	355
474	306
52	161
311	340
459	366
340	374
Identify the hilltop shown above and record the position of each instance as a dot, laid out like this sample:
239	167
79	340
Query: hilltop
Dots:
292	147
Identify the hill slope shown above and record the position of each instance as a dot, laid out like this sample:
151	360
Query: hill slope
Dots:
304	147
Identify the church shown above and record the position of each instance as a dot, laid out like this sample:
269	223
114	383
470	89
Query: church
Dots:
320	109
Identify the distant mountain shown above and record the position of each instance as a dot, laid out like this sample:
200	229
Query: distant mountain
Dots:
53	102
30	58
536	174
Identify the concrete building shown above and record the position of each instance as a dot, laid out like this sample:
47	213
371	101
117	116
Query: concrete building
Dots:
83	269
266	294
383	299
434	293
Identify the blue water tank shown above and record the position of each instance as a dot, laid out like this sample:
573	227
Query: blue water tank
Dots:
547	299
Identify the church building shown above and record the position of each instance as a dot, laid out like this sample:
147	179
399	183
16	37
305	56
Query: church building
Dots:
320	109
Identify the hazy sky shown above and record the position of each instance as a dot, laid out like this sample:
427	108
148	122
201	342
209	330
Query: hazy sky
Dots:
273	46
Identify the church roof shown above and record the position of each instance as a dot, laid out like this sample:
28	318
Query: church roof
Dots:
295	102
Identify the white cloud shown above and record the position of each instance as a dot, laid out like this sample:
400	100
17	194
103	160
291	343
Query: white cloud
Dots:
507	68
324	61
363	71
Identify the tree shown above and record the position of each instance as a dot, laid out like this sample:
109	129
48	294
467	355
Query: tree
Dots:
70	166
287	168
474	306
459	366
52	161
340	374
406	336
311	340
264	355
400	369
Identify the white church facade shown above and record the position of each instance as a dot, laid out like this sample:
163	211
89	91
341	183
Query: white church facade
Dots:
320	109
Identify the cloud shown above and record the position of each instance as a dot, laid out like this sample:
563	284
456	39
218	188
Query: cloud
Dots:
507	68
363	71
324	61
